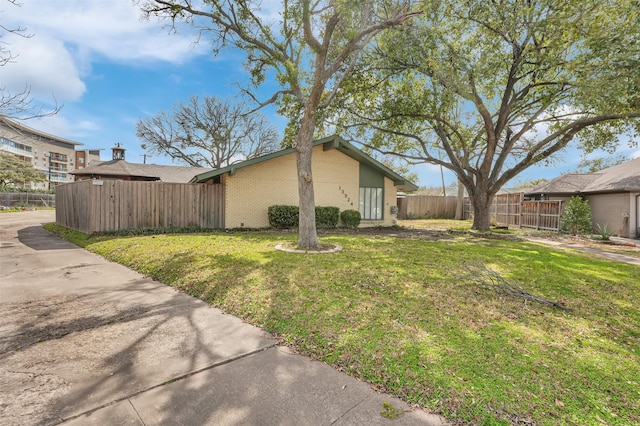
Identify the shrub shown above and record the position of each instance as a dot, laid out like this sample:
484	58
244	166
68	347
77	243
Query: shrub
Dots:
11	188
327	217
283	216
576	218
603	233
351	218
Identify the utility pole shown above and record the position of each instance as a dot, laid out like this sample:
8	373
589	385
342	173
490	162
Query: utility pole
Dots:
144	158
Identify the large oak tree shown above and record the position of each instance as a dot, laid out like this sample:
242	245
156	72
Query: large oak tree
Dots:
490	88
310	48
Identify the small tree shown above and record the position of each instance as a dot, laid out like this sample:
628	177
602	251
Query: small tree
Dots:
14	171
576	218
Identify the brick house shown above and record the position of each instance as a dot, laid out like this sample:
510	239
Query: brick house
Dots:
613	194
343	176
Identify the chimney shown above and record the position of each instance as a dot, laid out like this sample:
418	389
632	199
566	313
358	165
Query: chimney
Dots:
118	152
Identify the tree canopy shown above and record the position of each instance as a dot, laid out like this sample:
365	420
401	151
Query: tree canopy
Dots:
488	89
211	132
592	165
14	171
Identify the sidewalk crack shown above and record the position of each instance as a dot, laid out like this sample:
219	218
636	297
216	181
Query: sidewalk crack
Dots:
348	411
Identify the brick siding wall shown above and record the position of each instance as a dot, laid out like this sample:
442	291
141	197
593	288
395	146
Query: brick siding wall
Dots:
251	191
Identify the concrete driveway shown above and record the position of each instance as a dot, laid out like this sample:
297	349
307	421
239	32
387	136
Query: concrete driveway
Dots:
87	341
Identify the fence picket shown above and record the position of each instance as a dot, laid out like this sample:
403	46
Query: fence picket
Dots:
512	210
89	207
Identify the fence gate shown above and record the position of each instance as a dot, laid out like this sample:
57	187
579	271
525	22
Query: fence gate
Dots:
511	210
507	209
543	215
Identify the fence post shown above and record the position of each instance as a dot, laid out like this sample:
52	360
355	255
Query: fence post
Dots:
538	215
518	215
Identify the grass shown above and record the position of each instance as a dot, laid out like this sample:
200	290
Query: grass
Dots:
465	225
23	209
402	314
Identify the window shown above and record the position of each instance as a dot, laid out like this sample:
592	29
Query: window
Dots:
371	201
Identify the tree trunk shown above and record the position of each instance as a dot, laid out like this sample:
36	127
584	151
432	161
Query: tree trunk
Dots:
460	202
307	233
481	202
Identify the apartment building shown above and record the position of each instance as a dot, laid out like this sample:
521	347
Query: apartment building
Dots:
54	155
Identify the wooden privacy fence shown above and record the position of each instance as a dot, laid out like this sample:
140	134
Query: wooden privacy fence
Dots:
92	206
426	207
512	210
541	215
506	209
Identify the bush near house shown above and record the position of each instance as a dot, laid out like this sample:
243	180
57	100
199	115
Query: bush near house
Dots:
327	217
351	218
576	218
283	217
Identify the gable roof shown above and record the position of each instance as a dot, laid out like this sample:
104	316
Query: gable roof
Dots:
328	143
571	183
624	177
174	174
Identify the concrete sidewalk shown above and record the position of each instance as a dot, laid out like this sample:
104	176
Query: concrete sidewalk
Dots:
616	257
87	341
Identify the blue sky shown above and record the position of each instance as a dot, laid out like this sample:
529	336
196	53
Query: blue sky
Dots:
108	68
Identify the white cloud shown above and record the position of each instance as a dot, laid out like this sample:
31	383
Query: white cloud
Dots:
45	66
113	29
635	154
67	36
60	126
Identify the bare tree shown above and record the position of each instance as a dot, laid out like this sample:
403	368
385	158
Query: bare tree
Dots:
212	132
312	47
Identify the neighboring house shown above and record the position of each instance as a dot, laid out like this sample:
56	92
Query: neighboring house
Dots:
343	177
613	194
54	155
119	169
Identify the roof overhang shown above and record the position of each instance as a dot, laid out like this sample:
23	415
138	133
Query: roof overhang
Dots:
21	127
328	143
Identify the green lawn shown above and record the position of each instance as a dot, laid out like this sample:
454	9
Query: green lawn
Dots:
403	314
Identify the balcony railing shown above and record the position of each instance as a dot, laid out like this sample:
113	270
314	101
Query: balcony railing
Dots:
60	158
58	177
19	149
